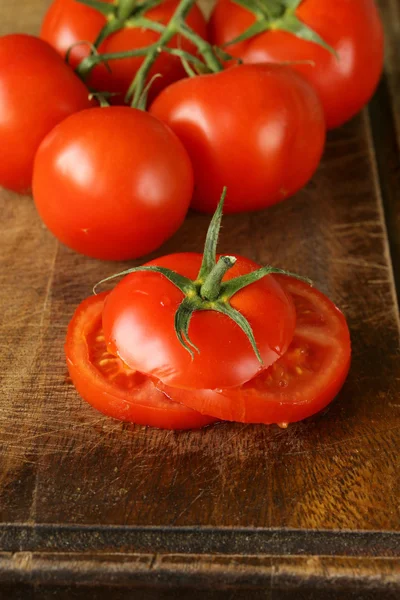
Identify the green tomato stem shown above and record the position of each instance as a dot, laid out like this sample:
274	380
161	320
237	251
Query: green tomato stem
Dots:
211	288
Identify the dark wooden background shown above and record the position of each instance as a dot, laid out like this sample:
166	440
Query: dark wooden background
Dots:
92	508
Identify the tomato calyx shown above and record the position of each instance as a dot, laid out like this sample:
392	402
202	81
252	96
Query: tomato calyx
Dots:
278	15
208	292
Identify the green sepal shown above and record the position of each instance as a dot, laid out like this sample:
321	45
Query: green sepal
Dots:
258	27
125	8
292	4
292	24
182	283
182	321
210	247
142	101
109	28
259	9
231	287
242	322
104	9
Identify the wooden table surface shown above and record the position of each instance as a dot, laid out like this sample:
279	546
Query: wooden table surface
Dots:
90	507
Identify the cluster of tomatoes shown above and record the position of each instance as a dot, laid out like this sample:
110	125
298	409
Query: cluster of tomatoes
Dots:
114	181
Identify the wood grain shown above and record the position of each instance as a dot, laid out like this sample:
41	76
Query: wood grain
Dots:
73	482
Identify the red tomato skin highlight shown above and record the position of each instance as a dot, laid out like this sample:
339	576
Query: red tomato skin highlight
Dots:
138	321
143	404
37	91
257	129
312	369
353	28
68	22
112	183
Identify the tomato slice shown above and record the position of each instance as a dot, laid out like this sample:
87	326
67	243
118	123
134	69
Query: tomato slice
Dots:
302	382
106	383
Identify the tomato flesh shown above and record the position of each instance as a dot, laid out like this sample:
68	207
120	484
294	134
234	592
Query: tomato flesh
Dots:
302	382
138	322
106	383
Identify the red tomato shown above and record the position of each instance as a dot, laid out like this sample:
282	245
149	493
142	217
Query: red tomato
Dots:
68	22
302	382
108	385
112	183
257	129
138	322
37	91
351	27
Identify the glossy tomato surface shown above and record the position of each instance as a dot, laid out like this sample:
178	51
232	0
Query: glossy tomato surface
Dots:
109	386
346	82
68	22
257	129
37	91
138	322
112	183
302	382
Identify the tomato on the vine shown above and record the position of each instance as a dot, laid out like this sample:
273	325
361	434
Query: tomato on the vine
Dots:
345	81
37	91
68	22
109	386
302	382
112	183
258	129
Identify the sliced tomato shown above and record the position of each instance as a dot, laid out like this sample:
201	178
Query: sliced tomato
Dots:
105	382
302	382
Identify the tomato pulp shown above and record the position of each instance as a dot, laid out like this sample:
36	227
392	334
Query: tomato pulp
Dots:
257	129
108	385
302	382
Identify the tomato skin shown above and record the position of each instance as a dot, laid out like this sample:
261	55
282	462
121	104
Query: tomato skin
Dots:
108	387
302	382
67	22
352	27
138	321
37	91
112	183
257	129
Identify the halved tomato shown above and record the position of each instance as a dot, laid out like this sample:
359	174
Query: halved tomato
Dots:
302	382
105	382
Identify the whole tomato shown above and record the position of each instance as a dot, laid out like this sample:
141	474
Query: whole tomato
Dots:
112	183
68	22
37	91
139	320
259	130
346	81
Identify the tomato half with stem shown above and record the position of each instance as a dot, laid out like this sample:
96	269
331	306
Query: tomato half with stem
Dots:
302	382
108	385
37	91
112	183
259	130
346	81
68	22
139	322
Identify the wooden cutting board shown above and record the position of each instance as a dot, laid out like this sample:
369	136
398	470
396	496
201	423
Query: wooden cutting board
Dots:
90	507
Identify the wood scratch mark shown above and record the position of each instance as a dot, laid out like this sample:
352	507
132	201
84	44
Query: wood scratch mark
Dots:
199	495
